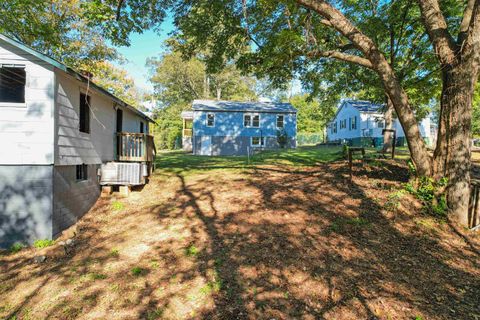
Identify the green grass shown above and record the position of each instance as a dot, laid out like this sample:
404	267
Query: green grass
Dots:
117	206
43	243
179	161
16	247
137	271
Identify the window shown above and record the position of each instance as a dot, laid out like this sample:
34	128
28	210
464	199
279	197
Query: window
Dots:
12	84
247	120
84	113
82	172
251	120
334	130
380	123
280	121
141	127
210	119
354	123
257	141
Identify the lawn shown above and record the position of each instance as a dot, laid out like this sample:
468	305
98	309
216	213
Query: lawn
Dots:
288	236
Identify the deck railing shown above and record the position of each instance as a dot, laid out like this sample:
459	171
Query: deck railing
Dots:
138	147
187	132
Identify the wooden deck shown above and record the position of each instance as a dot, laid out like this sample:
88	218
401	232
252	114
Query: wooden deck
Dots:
135	147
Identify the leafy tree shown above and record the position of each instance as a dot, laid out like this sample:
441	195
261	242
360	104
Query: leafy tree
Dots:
291	38
313	114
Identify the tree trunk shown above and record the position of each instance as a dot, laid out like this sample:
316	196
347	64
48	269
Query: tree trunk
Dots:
219	93
388	136
452	155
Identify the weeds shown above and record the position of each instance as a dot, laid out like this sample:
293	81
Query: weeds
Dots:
43	243
114	253
191	251
137	271
393	201
431	193
117	206
16	247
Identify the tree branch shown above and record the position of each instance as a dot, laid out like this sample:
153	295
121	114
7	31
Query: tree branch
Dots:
436	25
119	8
341	56
467	17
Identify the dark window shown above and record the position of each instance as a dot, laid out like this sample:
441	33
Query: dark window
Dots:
12	84
210	120
247	120
119	120
354	123
141	127
258	141
82	172
84	113
256	121
380	123
280	119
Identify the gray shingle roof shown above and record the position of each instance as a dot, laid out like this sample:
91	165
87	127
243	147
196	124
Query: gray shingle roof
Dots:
365	106
214	105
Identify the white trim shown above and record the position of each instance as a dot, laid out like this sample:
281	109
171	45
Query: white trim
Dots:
206	120
13	104
261	140
251	119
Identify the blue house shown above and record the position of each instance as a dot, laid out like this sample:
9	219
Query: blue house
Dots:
359	122
235	128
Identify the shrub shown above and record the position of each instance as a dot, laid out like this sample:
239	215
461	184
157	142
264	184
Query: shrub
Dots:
16	247
431	193
136	271
282	138
43	243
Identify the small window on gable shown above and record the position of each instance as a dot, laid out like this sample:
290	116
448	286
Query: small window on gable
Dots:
247	120
12	84
141	127
210	119
257	141
84	117
280	121
354	123
82	172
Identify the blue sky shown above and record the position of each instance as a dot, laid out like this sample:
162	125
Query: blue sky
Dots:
143	46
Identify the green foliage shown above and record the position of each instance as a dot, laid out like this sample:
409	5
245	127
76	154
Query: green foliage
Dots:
137	271
431	193
114	253
393	200
16	247
345	151
476	112
96	276
191	251
313	114
117	206
282	138
43	243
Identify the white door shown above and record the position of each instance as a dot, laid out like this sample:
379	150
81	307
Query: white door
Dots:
206	146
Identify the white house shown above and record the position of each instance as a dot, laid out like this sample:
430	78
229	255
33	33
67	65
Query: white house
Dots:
57	128
356	120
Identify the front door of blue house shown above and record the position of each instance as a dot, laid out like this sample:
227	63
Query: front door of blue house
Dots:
206	145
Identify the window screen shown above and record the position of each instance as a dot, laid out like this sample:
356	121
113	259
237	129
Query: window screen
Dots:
12	84
82	172
247	120
280	119
210	120
256	121
84	116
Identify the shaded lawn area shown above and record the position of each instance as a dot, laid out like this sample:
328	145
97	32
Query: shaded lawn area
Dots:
253	242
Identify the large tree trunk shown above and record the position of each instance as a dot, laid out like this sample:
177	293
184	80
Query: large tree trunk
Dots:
452	156
388	136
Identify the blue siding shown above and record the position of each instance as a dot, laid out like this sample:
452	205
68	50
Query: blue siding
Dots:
231	124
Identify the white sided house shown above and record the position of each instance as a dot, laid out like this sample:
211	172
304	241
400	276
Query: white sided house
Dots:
359	122
57	129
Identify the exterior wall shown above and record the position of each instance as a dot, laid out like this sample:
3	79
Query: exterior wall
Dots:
131	122
26	130
25	203
71	198
72	146
234	146
187	144
346	112
230	137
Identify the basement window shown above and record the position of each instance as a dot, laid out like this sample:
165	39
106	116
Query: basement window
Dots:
12	84
258	141
82	172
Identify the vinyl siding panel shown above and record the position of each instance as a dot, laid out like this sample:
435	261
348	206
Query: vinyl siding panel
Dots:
26	131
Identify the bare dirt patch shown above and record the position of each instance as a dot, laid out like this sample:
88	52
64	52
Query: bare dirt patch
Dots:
269	242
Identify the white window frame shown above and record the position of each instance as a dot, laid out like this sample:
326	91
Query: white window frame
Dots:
283	121
252	115
213	124
261	141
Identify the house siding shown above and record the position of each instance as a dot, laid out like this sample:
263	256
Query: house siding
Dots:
26	132
72	198
230	137
25	203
